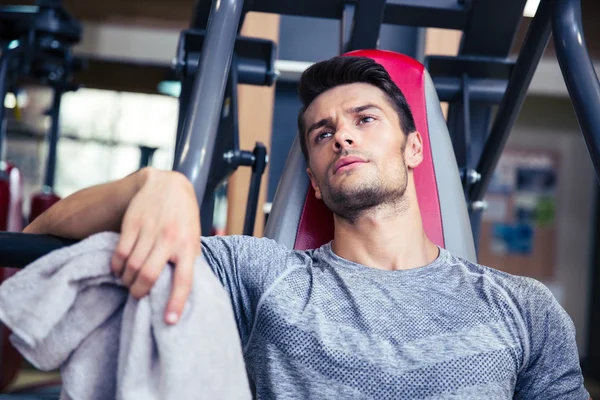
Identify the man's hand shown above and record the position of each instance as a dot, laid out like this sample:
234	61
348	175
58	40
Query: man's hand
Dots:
160	225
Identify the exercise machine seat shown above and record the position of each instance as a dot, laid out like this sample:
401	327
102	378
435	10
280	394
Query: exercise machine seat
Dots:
300	221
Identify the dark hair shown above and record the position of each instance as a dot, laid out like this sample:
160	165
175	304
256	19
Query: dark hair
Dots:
342	70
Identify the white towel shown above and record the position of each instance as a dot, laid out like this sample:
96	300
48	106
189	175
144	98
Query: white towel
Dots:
67	311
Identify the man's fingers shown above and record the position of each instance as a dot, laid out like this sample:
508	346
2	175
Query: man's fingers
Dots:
151	270
138	257
182	284
123	251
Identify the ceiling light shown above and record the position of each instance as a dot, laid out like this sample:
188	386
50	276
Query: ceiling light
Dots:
10	101
530	8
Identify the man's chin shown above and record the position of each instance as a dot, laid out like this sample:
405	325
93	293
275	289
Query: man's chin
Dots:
348	190
346	186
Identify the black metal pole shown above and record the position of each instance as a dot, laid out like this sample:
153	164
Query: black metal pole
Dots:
5	59
366	24
20	249
533	48
258	168
146	155
466	103
207	214
53	139
204	110
579	73
481	91
184	104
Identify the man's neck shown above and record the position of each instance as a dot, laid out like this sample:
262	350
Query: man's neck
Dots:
386	239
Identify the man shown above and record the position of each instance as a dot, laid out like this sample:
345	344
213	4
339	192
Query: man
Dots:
381	311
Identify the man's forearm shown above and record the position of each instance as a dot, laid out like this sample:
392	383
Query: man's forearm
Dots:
96	209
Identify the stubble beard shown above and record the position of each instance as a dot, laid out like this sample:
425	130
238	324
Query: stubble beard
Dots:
351	204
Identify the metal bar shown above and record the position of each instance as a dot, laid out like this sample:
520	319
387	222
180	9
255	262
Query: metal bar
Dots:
533	47
53	139
5	59
201	15
578	71
366	26
20	249
477	67
256	57
291	71
258	168
591	367
207	213
475	218
220	168
184	104
466	103
482	91
449	14
346	25
204	111
484	34
146	155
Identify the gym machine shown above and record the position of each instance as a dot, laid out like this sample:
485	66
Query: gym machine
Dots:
251	61
36	47
146	155
505	83
479	77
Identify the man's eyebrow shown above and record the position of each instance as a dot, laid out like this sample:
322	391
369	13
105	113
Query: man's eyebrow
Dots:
353	110
317	125
359	109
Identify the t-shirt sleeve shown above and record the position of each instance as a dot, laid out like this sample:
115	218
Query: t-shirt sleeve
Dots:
552	370
246	266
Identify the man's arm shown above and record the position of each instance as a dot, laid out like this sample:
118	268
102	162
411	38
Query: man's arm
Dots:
551	369
92	210
156	213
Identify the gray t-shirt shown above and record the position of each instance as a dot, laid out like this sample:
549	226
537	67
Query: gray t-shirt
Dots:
314	325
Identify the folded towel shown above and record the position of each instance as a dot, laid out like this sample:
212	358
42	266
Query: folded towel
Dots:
68	312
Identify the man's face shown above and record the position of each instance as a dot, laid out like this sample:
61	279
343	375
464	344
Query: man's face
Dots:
357	150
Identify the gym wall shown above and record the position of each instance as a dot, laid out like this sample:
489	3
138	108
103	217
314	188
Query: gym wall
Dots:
548	124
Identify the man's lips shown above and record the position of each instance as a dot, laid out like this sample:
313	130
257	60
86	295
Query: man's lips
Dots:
342	162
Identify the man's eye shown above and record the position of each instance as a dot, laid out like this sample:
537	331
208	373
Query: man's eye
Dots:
320	136
366	120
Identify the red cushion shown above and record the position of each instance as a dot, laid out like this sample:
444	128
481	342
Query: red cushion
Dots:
316	221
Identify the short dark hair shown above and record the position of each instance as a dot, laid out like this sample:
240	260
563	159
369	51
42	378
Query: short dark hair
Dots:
342	70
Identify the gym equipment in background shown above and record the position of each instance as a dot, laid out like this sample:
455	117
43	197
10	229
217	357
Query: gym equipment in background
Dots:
46	198
252	62
36	46
146	155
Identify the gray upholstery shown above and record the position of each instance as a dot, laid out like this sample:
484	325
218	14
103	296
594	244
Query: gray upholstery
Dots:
458	237
284	218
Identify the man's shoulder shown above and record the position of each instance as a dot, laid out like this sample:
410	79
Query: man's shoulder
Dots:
525	292
242	241
251	248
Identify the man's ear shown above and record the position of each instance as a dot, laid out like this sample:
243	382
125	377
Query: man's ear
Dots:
413	151
313	182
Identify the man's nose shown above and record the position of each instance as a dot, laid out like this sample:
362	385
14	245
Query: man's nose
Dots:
344	138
